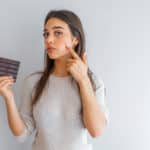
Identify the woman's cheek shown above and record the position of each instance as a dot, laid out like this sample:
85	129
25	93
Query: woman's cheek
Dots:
61	46
63	43
68	44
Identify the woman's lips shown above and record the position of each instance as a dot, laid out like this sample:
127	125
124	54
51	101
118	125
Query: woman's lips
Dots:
50	49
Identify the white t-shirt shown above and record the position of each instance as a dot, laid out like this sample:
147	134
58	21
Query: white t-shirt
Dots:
56	117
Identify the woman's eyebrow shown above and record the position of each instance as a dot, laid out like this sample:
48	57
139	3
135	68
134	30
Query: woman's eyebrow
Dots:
54	27
57	27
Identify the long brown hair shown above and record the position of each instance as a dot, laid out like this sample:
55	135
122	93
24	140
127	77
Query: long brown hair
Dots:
76	29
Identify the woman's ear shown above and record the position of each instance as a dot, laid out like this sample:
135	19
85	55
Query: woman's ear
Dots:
75	41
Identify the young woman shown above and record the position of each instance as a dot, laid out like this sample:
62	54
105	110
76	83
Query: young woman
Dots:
65	99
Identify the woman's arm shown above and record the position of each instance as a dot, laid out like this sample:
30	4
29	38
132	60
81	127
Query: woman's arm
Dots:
20	120
93	117
15	122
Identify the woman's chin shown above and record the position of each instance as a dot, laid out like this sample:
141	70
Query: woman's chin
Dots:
52	56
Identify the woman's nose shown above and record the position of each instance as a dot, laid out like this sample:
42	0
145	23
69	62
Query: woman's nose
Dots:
50	39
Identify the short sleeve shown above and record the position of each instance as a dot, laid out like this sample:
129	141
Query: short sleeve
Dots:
100	96
25	109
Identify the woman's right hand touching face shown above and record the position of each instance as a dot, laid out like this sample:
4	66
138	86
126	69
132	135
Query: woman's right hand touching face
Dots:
5	83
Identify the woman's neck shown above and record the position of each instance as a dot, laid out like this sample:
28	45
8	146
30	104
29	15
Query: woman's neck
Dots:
60	67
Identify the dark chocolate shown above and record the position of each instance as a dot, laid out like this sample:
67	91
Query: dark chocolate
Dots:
9	67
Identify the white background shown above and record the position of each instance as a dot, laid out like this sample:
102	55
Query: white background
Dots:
118	43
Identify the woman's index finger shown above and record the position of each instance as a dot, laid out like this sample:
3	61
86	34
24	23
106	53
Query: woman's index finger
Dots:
73	53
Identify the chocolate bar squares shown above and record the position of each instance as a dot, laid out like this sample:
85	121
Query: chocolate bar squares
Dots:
9	67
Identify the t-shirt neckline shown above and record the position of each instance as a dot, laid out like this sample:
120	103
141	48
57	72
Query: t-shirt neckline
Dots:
60	77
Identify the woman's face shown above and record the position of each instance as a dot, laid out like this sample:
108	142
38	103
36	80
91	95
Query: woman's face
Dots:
56	37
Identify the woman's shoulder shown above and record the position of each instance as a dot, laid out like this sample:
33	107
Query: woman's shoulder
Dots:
33	75
31	78
98	80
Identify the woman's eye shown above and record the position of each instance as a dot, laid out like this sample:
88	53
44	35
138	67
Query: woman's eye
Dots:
45	34
58	33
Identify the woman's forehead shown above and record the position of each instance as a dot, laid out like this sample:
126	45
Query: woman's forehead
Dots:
55	23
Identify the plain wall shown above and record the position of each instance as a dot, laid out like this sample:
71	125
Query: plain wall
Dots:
118	35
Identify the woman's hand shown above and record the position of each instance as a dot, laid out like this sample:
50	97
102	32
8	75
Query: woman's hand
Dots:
5	83
76	66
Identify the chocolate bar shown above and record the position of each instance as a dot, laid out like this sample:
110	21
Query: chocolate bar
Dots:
9	67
